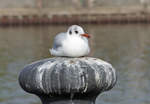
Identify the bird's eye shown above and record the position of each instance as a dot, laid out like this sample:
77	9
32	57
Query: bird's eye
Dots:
70	32
76	32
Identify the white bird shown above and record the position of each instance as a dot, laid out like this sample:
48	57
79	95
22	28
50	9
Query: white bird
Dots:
73	43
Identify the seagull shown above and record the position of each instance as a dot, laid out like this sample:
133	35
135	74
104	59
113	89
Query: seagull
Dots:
73	43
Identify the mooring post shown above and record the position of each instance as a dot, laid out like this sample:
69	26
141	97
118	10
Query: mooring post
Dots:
61	80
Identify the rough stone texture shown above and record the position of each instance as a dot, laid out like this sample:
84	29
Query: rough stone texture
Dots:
69	3
63	80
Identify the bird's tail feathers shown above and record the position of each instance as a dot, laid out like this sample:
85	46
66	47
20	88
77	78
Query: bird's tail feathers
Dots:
54	52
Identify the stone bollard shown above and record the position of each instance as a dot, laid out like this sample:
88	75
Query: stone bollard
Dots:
61	80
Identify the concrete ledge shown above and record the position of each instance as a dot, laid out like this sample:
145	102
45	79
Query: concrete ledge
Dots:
71	11
99	15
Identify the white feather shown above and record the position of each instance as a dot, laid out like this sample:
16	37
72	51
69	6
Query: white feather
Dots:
70	44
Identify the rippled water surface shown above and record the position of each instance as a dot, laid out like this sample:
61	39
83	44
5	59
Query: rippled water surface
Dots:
126	47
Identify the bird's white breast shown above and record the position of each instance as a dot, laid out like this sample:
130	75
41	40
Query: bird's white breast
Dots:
75	46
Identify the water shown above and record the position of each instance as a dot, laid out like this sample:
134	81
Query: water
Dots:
126	47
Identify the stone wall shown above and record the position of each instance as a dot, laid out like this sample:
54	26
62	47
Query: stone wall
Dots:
70	3
17	3
94	3
23	12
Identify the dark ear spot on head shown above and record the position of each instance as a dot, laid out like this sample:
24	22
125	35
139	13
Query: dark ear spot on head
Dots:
76	32
70	32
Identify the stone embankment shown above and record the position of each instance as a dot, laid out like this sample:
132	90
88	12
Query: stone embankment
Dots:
100	15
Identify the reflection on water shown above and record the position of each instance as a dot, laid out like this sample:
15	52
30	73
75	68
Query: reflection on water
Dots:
127	47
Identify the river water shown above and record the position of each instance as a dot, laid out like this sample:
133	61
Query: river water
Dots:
126	47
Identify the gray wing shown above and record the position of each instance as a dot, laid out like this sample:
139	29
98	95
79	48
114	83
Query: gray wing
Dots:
58	40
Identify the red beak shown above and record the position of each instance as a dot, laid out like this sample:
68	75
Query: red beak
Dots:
86	35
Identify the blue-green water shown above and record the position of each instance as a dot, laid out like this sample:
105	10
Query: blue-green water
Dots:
126	47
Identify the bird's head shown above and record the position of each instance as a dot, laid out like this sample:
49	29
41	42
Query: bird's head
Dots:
76	30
